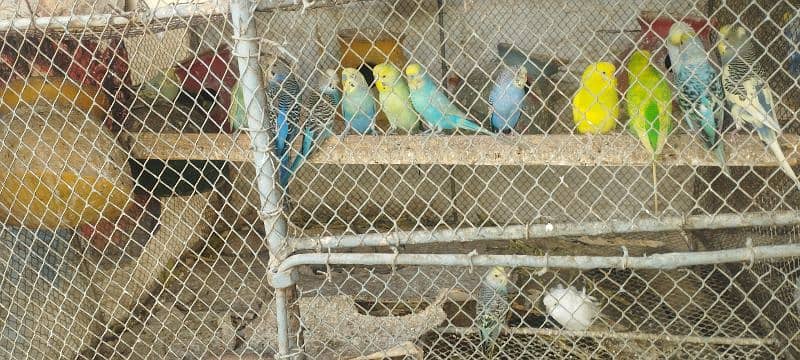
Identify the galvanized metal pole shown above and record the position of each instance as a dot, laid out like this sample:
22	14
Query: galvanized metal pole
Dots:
255	101
666	261
530	231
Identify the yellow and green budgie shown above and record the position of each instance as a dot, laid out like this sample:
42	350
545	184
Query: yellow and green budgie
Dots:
595	107
649	105
395	99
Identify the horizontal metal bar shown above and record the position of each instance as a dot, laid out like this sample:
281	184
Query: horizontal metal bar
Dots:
515	232
716	340
288	5
557	150
82	22
658	261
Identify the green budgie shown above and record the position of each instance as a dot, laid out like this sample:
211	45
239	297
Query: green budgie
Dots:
395	98
165	84
492	308
649	102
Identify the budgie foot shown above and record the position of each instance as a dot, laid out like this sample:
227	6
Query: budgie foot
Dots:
433	132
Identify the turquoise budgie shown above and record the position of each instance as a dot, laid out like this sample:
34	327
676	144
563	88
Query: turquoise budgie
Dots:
506	98
395	98
492	308
700	93
438	112
358	105
283	93
748	94
321	113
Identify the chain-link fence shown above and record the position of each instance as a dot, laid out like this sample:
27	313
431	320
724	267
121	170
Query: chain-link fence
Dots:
365	179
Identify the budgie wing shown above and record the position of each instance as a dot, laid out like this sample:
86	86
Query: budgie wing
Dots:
754	102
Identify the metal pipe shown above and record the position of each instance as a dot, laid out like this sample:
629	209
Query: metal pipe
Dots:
81	22
515	232
289	5
251	81
658	261
255	99
716	340
282	318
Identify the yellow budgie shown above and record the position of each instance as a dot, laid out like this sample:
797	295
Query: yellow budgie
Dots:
595	107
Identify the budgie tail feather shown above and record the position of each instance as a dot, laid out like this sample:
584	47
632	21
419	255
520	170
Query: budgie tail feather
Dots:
651	113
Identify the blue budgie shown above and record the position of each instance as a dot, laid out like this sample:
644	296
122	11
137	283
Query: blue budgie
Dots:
792	32
538	67
358	105
283	93
321	104
700	93
748	94
492	309
436	109
506	98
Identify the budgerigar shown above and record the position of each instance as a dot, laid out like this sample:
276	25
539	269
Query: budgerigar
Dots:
395	98
595	107
791	30
649	102
538	67
237	113
321	113
572	309
492	308
283	93
165	85
506	98
438	112
700	93
750	98
358	105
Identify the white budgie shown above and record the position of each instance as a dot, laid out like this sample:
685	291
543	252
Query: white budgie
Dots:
572	309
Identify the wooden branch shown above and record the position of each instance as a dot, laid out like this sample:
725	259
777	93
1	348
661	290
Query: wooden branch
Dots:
566	150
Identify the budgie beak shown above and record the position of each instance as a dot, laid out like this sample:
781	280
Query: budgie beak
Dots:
722	48
380	85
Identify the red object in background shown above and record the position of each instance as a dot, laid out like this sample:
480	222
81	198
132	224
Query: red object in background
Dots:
99	63
213	70
654	31
139	221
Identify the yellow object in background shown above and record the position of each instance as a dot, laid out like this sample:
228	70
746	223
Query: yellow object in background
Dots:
595	107
363	49
62	168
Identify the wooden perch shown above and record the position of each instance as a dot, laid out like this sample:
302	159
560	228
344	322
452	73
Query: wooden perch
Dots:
564	149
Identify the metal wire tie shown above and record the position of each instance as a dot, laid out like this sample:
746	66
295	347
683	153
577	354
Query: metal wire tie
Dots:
624	257
469	259
290	355
749	244
328	270
546	267
394	258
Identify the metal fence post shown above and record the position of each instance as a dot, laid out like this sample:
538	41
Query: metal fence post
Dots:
251	80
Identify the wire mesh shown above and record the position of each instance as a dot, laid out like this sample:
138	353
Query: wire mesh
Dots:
143	201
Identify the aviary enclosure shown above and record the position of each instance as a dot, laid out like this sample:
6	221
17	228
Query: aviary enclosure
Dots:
359	179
